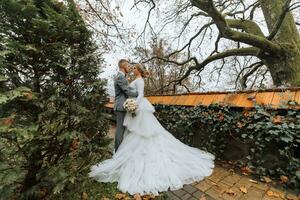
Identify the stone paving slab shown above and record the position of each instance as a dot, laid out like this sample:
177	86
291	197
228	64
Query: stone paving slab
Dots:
224	184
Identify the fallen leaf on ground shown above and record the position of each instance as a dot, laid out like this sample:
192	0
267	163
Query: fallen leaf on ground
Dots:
213	183
271	193
292	197
282	195
148	197
267	179
120	196
243	189
246	170
105	198
137	197
230	192
284	179
202	197
253	181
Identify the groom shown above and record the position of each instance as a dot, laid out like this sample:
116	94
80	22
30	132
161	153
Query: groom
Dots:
122	92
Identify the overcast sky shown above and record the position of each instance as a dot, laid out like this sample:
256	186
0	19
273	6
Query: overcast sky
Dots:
132	18
135	19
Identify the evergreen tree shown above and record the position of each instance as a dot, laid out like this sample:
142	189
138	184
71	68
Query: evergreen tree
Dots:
51	121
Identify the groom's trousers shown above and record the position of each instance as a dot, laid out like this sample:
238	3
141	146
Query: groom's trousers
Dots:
120	116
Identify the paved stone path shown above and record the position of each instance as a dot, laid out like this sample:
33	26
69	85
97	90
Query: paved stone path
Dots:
225	184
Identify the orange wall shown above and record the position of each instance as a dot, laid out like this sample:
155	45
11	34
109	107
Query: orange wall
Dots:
271	98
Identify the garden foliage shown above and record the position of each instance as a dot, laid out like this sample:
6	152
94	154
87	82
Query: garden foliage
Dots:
265	140
51	123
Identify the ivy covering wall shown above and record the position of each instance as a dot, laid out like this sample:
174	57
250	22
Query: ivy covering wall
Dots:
265	140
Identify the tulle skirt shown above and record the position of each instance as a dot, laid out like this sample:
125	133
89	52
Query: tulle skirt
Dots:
150	159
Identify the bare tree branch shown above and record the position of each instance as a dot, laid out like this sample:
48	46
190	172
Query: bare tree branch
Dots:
253	10
112	24
171	61
190	19
250	51
216	50
246	25
204	27
225	30
238	25
254	67
294	6
148	18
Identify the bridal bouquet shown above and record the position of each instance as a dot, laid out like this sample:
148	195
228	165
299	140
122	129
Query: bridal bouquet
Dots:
130	106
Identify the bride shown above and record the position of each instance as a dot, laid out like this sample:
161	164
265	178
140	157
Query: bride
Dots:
150	159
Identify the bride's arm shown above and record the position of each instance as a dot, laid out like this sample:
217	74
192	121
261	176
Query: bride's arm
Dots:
140	89
123	85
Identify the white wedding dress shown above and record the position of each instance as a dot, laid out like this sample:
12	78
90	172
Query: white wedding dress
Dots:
150	159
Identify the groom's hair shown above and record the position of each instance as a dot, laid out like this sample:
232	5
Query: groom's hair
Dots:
121	62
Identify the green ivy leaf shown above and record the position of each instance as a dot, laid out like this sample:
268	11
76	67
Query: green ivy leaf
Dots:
298	174
286	138
3	78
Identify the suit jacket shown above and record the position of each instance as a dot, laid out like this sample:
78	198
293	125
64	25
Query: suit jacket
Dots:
122	91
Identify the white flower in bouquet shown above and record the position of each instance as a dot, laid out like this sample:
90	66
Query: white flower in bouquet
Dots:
130	106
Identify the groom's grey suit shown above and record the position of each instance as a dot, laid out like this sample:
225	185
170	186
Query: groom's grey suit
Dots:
122	92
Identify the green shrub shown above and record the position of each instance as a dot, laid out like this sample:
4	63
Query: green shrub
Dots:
51	123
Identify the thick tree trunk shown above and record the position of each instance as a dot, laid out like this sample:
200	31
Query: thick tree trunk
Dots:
34	166
285	67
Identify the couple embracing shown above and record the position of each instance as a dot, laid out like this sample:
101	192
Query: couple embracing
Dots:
148	159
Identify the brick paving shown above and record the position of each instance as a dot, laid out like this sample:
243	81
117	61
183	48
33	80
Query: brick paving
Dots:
225	184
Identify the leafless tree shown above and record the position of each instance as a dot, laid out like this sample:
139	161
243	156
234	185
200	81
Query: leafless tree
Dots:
237	29
103	19
162	73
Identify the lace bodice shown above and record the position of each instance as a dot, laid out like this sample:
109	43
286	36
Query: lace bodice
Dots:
138	85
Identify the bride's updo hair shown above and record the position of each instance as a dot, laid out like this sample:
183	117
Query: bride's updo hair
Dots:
144	72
